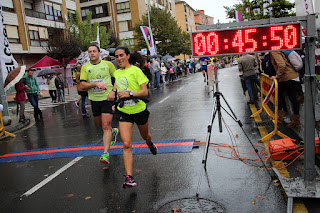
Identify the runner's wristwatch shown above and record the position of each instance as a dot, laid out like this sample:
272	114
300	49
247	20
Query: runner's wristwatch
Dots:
114	90
131	94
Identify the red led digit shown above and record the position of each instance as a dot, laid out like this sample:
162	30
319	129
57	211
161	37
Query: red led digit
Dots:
200	43
290	37
276	38
212	43
237	41
250	40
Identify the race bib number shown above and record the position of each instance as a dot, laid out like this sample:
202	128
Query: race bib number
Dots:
204	63
129	103
96	89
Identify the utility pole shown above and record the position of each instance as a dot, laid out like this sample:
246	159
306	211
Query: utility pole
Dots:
3	101
155	47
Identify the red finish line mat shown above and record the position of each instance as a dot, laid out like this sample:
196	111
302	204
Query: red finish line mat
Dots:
167	146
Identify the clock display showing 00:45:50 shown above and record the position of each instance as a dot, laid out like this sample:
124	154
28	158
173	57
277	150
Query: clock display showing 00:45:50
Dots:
245	40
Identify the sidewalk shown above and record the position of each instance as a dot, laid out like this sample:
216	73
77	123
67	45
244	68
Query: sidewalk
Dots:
45	94
15	125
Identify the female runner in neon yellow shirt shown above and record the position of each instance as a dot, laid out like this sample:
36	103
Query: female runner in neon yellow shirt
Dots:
131	82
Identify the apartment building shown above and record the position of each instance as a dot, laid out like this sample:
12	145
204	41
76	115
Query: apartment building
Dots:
201	18
185	16
30	23
121	15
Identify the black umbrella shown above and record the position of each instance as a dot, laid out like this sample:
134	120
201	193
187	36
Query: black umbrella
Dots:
156	56
168	57
46	72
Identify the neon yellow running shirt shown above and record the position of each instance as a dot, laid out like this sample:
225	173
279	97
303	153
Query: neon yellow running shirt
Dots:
101	72
130	80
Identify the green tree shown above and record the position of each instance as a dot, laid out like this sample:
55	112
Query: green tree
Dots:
165	30
85	32
63	47
185	48
277	9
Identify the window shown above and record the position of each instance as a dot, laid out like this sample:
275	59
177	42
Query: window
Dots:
28	5
71	14
125	26
123	7
53	11
38	36
12	33
8	9
84	12
97	11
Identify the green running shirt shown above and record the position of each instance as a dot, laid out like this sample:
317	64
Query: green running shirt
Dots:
101	72
130	80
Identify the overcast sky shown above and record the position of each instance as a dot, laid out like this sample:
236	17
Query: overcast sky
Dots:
214	8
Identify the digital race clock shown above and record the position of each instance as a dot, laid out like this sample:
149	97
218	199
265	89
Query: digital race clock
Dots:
246	40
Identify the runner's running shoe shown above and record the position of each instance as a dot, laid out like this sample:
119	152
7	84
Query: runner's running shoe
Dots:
115	132
153	148
104	158
129	182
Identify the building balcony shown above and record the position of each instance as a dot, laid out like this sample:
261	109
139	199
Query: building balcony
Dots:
40	15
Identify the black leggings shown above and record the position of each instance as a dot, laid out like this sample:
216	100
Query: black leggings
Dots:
290	88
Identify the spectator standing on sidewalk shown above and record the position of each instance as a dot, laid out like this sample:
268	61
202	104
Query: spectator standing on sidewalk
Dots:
151	71
289	83
33	92
248	66
60	87
21	100
171	73
130	83
52	88
83	94
96	78
163	72
156	70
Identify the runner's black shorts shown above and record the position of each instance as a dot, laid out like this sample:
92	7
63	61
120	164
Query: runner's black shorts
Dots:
140	118
205	69
99	107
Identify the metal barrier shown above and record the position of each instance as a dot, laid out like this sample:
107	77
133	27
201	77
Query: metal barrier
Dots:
269	93
2	130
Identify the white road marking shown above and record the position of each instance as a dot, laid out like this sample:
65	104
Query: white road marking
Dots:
180	89
51	177
164	99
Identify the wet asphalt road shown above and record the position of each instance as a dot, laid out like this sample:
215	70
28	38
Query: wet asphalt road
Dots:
179	110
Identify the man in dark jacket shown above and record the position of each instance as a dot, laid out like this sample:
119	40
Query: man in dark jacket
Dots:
60	87
249	66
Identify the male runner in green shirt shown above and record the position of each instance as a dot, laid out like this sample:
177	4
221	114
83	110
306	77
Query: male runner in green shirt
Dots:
96	78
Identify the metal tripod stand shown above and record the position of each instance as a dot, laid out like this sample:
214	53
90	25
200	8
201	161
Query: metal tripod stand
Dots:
217	111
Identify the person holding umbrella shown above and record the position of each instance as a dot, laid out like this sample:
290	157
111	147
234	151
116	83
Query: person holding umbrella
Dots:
21	100
33	92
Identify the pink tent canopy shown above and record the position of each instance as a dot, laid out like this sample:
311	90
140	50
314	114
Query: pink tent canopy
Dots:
46	61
